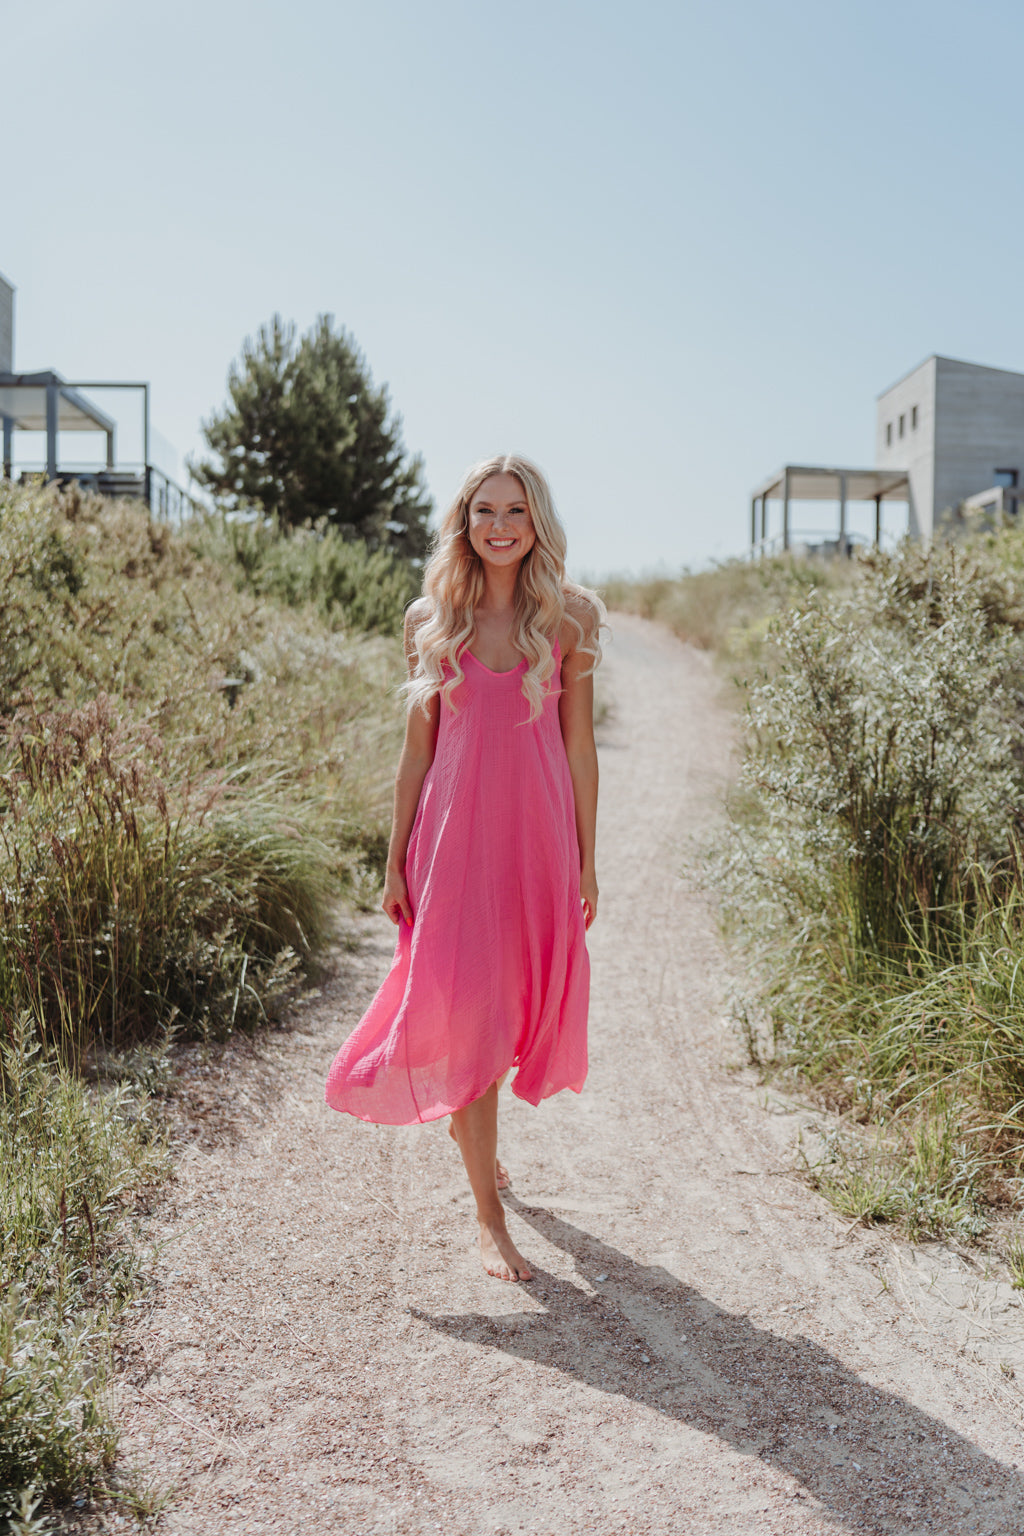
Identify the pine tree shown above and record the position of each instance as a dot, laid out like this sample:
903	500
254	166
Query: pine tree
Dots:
305	435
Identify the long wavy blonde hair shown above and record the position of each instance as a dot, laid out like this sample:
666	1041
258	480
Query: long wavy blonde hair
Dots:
453	585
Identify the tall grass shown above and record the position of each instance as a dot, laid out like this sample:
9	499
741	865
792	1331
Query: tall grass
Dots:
196	745
927	1046
188	777
71	1167
874	871
133	901
729	608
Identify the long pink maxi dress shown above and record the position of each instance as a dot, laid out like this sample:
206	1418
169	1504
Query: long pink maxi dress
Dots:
494	971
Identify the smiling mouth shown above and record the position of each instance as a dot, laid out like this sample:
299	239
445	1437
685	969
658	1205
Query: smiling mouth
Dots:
500	543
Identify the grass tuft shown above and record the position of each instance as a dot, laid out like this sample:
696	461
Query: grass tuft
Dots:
72	1165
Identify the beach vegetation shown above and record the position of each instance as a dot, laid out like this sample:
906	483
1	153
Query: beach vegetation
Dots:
197	732
873	873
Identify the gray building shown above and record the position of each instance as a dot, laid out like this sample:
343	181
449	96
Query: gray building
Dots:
6	326
947	435
958	431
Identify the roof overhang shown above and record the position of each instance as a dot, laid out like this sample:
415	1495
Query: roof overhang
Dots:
816	482
23	401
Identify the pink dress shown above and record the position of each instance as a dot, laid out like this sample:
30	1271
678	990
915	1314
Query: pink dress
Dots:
494	971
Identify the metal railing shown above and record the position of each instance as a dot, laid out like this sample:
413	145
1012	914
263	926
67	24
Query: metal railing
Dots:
164	497
815	541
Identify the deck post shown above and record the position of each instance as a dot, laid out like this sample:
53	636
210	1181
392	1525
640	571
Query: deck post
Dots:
52	409
8	446
842	513
785	508
878	520
753	525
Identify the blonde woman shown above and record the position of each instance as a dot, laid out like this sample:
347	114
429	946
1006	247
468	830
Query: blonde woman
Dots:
490	875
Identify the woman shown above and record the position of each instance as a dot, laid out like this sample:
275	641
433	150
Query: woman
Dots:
490	876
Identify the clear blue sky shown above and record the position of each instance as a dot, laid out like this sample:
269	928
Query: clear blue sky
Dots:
661	248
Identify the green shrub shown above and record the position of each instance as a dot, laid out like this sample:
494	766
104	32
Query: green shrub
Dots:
874	870
190	775
881	751
348	584
71	1165
229	682
192	771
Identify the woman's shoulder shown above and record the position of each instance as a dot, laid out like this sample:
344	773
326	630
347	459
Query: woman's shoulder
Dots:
417	613
584	615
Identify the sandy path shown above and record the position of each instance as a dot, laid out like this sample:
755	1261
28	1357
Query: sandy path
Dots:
706	1347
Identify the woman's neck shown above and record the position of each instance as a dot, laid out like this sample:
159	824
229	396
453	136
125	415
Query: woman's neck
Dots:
499	590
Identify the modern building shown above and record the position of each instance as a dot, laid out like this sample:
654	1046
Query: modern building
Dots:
46	404
958	431
949	436
6	326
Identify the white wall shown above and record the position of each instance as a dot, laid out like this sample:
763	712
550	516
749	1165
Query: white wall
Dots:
914	451
970	422
6	327
980	428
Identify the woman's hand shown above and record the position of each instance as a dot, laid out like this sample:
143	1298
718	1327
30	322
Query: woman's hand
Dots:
588	896
395	901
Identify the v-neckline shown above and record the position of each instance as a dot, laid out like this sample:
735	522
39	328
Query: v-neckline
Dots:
507	673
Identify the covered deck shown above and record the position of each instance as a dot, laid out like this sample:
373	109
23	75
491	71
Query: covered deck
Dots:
815	482
47	404
44	402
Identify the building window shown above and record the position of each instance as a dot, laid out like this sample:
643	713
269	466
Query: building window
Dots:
888	435
903	423
913	418
1006	478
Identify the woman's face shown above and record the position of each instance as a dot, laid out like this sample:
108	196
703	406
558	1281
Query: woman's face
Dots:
500	526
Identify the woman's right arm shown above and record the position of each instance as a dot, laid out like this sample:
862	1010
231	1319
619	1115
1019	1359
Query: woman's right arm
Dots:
417	756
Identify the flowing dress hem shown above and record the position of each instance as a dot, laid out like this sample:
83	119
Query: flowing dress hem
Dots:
440	1113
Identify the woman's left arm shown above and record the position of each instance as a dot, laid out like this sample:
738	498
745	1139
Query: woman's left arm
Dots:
576	716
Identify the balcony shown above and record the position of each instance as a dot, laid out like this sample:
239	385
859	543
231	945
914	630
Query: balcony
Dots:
45	403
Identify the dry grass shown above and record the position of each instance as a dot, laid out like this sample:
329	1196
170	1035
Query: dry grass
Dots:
196	752
729	608
874	871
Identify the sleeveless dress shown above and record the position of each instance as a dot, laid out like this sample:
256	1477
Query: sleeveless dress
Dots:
493	973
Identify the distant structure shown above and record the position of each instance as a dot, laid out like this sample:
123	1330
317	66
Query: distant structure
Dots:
6	326
46	403
949	435
958	429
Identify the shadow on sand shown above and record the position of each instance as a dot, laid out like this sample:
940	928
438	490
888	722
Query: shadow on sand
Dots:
871	1459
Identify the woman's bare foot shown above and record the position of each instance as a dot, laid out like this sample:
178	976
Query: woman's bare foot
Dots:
500	1255
475	1131
502	1177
